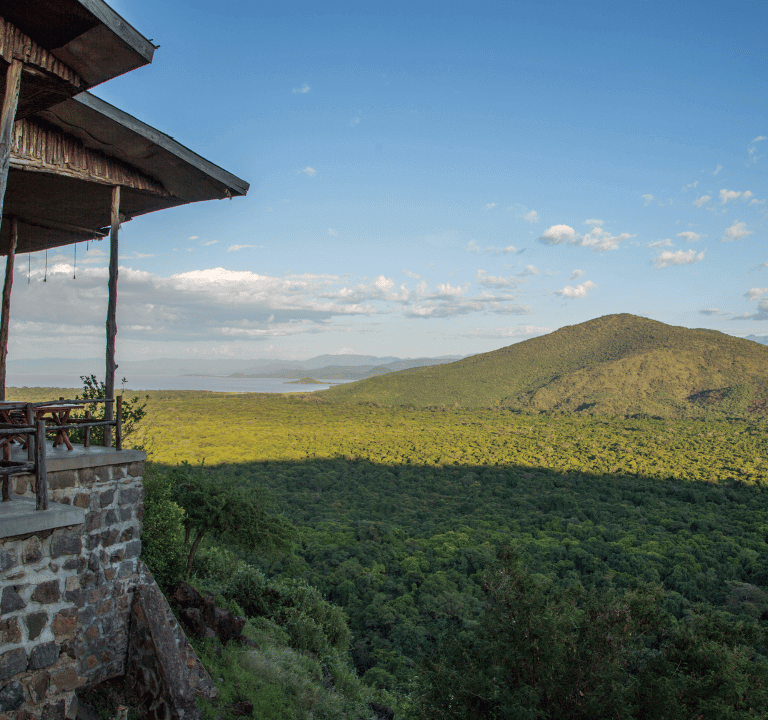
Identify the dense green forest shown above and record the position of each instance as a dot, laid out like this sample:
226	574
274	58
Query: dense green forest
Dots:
402	517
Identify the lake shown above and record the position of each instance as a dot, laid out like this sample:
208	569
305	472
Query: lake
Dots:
170	382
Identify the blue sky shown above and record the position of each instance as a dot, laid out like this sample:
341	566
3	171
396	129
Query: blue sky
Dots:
432	178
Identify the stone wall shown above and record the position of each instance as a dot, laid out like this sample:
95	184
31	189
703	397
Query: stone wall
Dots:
66	592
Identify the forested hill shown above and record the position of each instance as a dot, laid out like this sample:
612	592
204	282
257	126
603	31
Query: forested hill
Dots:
613	365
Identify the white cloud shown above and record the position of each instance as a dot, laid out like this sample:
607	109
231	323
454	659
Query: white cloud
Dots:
689	186
600	240
762	311
557	235
531	217
679	257
509	332
576	274
193	237
746	195
580	291
208	243
755	293
303	89
727	195
383	283
483	278
712	312
472	246
309	171
689	236
660	243
648	199
411	274
235	248
333	233
759	138
593	221
703	200
737	231
755	201
528	270
490	206
717	169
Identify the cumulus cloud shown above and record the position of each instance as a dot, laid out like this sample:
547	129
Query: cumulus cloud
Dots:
593	221
689	236
303	89
761	314
703	200
531	216
689	186
728	195
519	331
597	239
308	171
711	312
489	206
557	235
679	257
717	169
648	199
576	274
660	243
528	270
411	274
235	248
193	237
755	293
737	231
580	291
483	278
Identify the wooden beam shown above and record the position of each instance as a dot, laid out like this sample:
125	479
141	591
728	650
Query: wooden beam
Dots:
109	382
7	118
5	313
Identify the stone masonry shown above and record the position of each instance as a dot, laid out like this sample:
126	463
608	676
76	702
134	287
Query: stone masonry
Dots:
66	592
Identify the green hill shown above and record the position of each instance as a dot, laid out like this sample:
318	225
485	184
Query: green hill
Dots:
613	365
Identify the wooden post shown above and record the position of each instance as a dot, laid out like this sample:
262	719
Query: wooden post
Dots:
87	439
30	415
5	317
41	471
109	382
7	118
119	423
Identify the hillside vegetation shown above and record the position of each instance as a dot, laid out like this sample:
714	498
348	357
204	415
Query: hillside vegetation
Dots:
613	365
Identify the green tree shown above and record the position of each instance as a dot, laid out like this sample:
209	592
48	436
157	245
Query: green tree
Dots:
215	504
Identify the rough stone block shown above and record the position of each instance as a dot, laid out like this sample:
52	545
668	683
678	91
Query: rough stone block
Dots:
76	597
126	514
66	542
109	574
106	498
10	631
35	624
77	564
93	521
11	600
119	472
133	549
47	592
43	656
86	476
11	696
8	559
92	542
65	623
54	711
82	500
33	551
38	686
111	518
104	473
126	568
22	484
92	632
127	534
12	662
62	479
129	496
66	679
136	469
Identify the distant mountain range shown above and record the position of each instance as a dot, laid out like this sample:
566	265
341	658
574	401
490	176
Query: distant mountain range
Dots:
340	367
613	365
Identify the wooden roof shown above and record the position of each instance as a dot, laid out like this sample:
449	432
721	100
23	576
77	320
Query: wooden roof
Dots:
66	159
87	35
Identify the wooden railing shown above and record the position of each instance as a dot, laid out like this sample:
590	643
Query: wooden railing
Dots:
28	423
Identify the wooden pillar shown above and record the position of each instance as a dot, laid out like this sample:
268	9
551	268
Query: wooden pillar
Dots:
7	117
5	316
109	382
